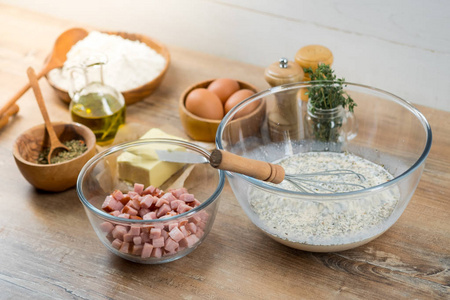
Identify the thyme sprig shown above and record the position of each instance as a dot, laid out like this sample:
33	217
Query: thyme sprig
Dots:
326	91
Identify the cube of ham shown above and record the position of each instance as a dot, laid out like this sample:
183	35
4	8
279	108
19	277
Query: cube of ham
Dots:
191	227
146	250
137	240
165	208
125	247
155	233
128	238
157	252
149	216
184	231
118	195
106	227
139	188
149	190
158	242
135	230
187	197
135	203
175	203
129	210
137	249
124	216
147	201
116	244
178	192
182	208
170	245
109	204
168	197
176	234
160	202
119	231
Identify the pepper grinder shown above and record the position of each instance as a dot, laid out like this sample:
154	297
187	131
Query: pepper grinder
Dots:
285	120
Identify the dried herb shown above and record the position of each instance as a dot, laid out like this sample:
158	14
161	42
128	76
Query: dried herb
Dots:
326	91
76	148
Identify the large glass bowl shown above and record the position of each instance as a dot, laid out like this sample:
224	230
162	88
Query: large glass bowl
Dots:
384	129
140	240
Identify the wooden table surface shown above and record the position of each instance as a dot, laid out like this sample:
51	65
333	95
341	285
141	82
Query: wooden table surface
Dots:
48	249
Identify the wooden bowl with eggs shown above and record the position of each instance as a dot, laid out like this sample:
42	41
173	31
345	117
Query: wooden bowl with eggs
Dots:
202	128
136	94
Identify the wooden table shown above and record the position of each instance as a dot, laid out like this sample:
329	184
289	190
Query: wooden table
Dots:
49	250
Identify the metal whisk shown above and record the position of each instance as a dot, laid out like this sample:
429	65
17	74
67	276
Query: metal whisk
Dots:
307	182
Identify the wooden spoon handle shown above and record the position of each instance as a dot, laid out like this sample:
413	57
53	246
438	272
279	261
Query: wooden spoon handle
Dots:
9	113
258	169
20	93
37	92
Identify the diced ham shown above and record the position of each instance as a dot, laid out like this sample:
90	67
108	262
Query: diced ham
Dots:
137	249
128	238
170	245
163	210
178	192
135	218
157	252
187	197
137	240
160	202
164	234
195	219
149	190
147	250
184	231
176	234
199	232
146	201
196	203
119	231
106	227
129	210
155	233
116	244
182	208
139	188
191	227
118	206
135	203
117	194
135	230
149	216
125	216
125	247
109	204
125	199
171	213
115	213
145	237
191	240
182	222
175	203
169	197
143	211
158	242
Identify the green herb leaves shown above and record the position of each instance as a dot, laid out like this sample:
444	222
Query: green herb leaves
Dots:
326	92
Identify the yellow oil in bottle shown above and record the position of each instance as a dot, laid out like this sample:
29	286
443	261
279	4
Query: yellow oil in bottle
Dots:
102	113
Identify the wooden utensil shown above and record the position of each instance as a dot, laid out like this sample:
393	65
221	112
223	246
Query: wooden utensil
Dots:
55	143
258	169
57	58
14	109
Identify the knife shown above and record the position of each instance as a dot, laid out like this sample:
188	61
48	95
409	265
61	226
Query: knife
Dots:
181	157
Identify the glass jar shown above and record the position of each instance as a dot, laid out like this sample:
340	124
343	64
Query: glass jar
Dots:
330	125
95	104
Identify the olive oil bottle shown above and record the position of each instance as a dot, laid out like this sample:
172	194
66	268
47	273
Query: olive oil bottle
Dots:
97	105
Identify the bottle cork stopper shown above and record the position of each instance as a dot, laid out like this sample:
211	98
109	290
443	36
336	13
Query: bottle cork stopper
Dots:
283	72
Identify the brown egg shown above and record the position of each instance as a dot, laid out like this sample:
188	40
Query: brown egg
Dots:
204	104
224	88
237	98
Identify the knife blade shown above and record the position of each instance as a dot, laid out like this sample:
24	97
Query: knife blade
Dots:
181	157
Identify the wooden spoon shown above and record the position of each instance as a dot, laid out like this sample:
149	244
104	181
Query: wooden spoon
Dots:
55	143
57	58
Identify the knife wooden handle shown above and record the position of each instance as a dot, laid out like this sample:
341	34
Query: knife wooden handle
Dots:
258	169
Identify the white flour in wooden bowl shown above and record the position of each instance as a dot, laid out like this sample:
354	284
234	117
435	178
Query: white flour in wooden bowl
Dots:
330	222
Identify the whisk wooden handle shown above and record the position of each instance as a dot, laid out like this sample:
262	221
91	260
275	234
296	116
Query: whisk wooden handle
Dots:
258	169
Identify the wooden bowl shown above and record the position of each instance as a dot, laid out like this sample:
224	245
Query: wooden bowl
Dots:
201	129
54	177
139	93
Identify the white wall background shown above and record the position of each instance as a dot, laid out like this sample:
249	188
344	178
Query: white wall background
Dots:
402	46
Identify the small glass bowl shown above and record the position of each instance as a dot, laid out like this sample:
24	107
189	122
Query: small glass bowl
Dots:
106	172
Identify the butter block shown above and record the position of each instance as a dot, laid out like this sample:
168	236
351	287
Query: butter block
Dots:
137	169
149	152
141	164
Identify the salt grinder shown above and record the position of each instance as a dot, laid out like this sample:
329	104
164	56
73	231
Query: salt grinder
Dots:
285	121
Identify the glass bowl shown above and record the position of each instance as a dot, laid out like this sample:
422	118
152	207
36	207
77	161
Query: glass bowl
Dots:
384	130
147	210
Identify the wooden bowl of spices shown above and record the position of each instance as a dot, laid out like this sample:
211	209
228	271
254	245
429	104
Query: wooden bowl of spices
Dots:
30	149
